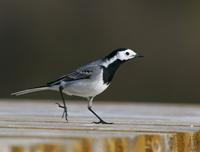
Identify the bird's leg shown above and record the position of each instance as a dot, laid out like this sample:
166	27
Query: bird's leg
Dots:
101	121
64	104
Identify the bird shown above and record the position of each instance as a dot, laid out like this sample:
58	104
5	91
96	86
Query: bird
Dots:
87	81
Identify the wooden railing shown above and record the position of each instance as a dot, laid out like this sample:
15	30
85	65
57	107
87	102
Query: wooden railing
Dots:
36	126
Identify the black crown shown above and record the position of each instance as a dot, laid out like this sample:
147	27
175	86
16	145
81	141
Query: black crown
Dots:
114	52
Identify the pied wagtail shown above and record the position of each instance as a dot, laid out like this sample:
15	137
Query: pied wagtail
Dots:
88	80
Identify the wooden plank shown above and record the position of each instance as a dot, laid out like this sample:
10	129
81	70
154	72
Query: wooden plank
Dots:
137	127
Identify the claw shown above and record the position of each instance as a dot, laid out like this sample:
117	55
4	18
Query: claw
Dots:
64	115
60	105
101	122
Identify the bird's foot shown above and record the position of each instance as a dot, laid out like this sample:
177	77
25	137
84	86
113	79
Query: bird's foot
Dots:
101	122
64	115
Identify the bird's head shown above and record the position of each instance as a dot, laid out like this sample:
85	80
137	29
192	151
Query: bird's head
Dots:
123	54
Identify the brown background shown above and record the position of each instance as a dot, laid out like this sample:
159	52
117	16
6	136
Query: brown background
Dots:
41	40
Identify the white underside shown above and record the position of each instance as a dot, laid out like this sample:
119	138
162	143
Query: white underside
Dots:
85	87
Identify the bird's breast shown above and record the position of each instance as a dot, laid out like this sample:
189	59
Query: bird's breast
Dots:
109	71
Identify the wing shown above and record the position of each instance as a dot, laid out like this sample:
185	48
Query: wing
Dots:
83	72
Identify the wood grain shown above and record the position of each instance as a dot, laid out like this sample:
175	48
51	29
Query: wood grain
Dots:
36	126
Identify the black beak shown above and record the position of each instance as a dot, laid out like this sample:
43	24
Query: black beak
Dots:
139	56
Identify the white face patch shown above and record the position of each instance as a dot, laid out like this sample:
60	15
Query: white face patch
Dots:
126	55
121	55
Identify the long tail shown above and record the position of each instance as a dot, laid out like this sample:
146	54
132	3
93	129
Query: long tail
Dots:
42	88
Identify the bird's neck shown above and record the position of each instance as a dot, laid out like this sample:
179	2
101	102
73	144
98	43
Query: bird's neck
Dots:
110	66
109	61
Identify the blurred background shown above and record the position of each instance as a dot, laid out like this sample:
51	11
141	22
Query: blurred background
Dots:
42	40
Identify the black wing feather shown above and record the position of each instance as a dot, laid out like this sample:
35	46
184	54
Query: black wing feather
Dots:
73	76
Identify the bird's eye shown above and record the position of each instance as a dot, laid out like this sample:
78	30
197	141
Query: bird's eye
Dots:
127	53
